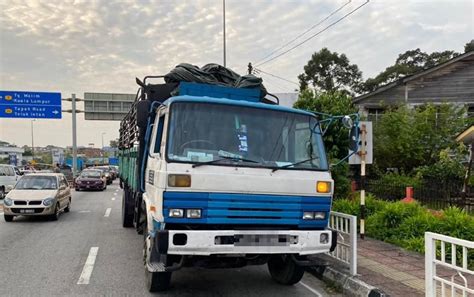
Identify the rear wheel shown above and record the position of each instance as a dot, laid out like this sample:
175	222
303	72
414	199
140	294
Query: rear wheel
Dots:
55	216
127	212
8	218
2	193
284	270
156	281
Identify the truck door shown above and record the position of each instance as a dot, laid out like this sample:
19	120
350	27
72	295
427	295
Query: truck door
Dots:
155	174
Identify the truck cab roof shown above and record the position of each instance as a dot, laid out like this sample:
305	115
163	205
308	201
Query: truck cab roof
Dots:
243	102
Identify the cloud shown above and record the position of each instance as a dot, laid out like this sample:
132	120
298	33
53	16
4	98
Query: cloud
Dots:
81	46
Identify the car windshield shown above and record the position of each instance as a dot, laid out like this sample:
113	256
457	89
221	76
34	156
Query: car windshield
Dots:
90	174
31	182
244	136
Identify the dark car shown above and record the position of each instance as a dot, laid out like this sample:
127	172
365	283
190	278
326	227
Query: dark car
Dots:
91	179
114	171
106	171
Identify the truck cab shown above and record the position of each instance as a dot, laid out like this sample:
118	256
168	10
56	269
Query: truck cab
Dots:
220	179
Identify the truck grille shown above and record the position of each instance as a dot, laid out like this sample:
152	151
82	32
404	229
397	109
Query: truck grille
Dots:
244	209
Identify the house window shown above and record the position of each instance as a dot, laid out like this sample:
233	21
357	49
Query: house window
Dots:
374	114
470	111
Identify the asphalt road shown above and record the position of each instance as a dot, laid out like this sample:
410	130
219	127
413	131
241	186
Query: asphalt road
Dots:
45	258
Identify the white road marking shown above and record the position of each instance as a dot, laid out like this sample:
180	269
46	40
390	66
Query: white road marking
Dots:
107	212
113	199
115	194
1	213
84	211
311	289
88	266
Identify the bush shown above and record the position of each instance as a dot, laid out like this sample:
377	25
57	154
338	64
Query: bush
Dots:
352	207
384	225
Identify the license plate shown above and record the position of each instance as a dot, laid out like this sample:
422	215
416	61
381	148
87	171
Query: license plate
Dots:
27	211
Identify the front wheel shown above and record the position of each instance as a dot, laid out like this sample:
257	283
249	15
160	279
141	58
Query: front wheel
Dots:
8	218
68	207
155	281
55	216
284	270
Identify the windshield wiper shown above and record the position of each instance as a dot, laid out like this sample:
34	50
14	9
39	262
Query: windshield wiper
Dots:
234	158
293	164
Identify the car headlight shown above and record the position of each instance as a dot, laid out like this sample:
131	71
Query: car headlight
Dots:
8	202
48	201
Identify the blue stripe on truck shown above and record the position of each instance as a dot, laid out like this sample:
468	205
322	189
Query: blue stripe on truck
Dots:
245	209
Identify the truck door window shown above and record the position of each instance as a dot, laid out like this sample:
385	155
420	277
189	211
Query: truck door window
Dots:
159	134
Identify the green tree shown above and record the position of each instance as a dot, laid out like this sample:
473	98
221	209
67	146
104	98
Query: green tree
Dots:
336	138
407	138
114	143
469	47
408	63
329	71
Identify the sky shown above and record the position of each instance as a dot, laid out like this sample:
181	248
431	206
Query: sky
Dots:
101	46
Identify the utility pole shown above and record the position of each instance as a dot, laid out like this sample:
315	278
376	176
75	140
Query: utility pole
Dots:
102	150
223	19
32	142
74	136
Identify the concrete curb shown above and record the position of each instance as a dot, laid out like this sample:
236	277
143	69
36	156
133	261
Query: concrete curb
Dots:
350	285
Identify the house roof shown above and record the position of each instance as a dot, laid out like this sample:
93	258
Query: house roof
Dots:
408	78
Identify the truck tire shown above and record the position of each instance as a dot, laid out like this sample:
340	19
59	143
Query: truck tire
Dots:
127	211
155	281
284	270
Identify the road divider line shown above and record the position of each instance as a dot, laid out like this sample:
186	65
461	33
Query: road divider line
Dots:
115	194
113	199
107	212
84	211
88	266
311	289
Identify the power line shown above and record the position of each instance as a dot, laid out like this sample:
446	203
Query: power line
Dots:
314	35
258	70
307	30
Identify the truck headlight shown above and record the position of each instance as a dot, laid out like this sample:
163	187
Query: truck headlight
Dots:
308	215
193	213
319	215
179	180
8	202
176	213
48	201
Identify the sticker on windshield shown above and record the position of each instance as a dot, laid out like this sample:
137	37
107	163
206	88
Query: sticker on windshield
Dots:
243	146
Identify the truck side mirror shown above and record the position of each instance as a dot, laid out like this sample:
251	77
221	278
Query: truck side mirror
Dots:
354	139
347	122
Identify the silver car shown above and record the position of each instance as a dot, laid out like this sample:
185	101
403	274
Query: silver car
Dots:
38	194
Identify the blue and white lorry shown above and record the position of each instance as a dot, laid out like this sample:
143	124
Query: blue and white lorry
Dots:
217	177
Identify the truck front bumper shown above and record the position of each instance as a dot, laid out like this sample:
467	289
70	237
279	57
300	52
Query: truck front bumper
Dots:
228	242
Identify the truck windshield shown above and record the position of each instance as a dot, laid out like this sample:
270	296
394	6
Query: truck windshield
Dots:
244	136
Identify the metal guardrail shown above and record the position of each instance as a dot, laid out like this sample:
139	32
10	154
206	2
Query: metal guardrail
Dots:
346	249
448	271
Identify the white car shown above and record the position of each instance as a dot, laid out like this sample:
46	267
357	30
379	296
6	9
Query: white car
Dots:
38	194
8	179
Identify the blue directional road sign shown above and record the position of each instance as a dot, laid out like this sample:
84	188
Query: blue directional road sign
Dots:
30	105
